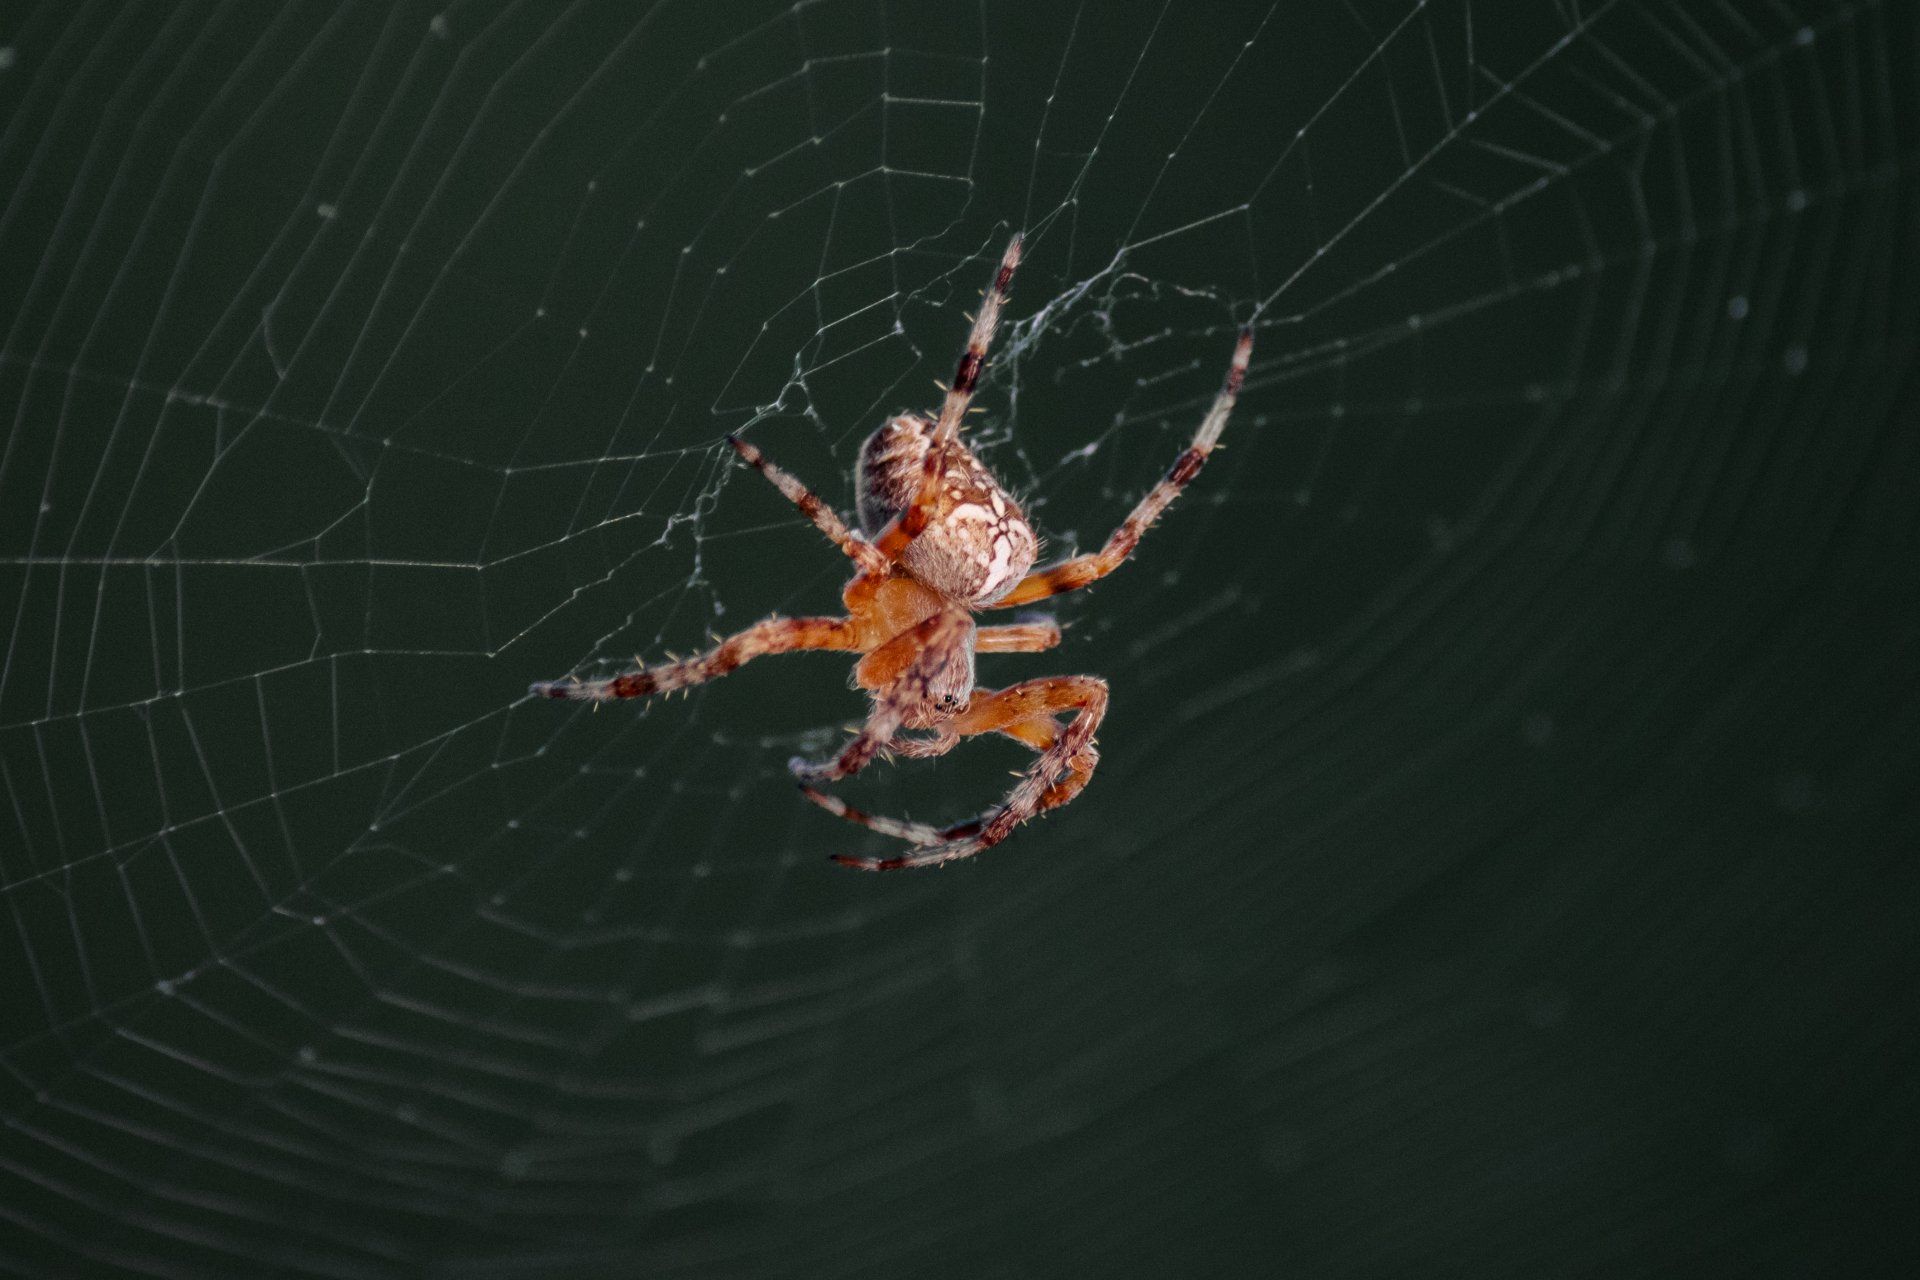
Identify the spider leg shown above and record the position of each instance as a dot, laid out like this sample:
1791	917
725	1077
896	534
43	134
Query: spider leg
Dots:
1071	575
1028	636
936	643
974	357
1018	637
771	635
919	833
925	834
864	554
1038	733
907	526
1057	776
942	740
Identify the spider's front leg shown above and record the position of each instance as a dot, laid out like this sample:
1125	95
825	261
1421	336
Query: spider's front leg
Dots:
913	520
771	635
1071	575
864	554
938	658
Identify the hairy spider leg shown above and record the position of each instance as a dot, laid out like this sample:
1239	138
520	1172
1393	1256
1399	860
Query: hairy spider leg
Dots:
866	557
1018	637
1031	636
933	644
920	833
1059	774
909	524
1037	733
773	635
1071	575
973	359
770	635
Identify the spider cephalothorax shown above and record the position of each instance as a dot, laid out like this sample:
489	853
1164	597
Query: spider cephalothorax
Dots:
943	540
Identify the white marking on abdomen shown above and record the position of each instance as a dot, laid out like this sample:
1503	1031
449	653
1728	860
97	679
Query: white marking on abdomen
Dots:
1001	567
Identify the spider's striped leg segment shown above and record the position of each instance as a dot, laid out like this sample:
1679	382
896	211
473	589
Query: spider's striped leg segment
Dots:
942	740
1062	770
773	635
1071	575
1018	637
925	834
864	554
1029	636
938	660
973	360
1038	733
919	833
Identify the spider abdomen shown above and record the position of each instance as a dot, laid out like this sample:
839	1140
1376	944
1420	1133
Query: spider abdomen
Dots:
977	545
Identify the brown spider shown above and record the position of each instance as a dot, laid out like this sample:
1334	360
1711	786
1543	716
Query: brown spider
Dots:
943	540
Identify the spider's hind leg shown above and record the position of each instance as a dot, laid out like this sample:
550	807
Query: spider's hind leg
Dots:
1067	757
926	834
920	833
940	646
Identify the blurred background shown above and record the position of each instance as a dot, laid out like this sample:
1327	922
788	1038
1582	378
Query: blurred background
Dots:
1494	868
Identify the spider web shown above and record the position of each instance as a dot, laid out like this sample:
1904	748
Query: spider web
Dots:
1493	856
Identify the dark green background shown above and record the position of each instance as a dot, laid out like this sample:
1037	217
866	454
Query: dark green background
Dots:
1496	867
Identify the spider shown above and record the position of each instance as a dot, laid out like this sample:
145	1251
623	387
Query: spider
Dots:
942	540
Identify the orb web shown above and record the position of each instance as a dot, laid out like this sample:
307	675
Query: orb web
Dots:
366	363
